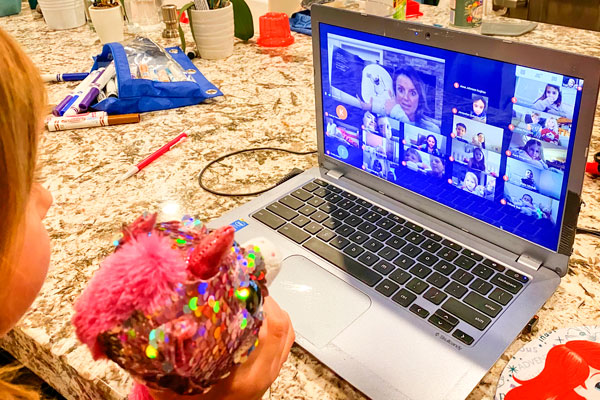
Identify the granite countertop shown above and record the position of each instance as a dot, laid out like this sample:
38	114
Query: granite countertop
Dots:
268	101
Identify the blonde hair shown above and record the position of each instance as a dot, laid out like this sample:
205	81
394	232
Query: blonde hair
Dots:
23	101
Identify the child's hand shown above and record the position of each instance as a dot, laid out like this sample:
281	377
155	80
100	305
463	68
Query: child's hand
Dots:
390	102
250	380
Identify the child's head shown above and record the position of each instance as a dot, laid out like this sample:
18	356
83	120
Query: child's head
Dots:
535	117
479	104
470	182
369	121
533	148
461	129
529	174
24	241
527	199
436	164
431	142
552	93
480	137
551	124
385	128
412	155
478	154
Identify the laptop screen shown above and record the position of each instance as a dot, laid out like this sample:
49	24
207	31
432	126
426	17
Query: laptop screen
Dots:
489	139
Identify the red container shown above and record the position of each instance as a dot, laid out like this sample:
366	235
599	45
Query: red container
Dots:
412	9
275	30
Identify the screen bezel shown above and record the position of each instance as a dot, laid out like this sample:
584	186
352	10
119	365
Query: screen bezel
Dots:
560	62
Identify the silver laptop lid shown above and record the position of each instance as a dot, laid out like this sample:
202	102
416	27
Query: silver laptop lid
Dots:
485	134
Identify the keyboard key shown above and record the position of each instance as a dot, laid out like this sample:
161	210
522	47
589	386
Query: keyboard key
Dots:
385	223
515	275
483	271
506	283
435	296
358	210
349	196
415	238
313	228
427	259
315	201
345	204
447	254
333	198
381	235
481	286
400	230
455	289
301	194
463	337
358	237
353	221
344	230
368	258
340	214
379	210
466	313
494	265
367	227
417	285
440	323
452	245
438	280
420	270
343	262
462	276
373	245
300	221
431	235
386	287
310	186
372	216
332	223
364	203
269	219
395	242
353	250
327	208
464	262
500	296
320	182
444	267
413	226
388	253
404	297
411	250
482	304
384	267
291	202
431	246
339	242
397	218
334	189
420	311
319	216
404	262
307	210
282	211
472	254
321	192
291	232
446	317
326	235
400	276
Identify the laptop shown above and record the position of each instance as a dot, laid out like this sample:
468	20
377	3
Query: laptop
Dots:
443	211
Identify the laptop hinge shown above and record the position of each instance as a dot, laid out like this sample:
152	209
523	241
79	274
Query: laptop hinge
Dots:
335	174
529	262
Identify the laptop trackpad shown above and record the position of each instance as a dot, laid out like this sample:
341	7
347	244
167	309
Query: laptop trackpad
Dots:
320	304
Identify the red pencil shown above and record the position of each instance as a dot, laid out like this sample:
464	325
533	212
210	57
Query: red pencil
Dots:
145	162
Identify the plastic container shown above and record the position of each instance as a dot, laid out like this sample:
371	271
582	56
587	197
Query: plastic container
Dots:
213	32
108	23
63	14
9	7
275	30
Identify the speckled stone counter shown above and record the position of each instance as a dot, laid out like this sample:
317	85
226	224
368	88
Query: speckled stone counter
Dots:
268	101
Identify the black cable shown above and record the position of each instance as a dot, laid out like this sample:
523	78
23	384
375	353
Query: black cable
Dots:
291	174
588	231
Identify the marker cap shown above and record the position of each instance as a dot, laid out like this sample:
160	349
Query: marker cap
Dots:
123	119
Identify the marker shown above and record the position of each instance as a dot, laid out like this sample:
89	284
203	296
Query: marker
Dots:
90	121
96	86
144	163
90	114
76	76
79	89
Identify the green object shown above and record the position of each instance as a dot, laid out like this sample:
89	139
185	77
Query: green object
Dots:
9	7
32	4
466	13
399	11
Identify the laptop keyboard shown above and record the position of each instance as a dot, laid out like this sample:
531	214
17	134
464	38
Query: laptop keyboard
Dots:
453	288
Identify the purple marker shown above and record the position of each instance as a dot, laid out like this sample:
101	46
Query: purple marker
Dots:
80	89
96	86
76	76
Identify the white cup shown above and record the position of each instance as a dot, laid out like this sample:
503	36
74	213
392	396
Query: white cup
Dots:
63	14
108	23
213	32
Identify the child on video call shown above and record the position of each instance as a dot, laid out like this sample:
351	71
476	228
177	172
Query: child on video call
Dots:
478	140
430	146
535	127
477	162
460	130
437	167
471	184
531	152
551	101
25	245
550	132
413	159
478	109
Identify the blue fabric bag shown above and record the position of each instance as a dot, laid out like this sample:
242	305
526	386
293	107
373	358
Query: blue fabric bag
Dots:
139	93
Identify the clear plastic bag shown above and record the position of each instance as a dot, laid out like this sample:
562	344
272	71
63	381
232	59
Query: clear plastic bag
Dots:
148	60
